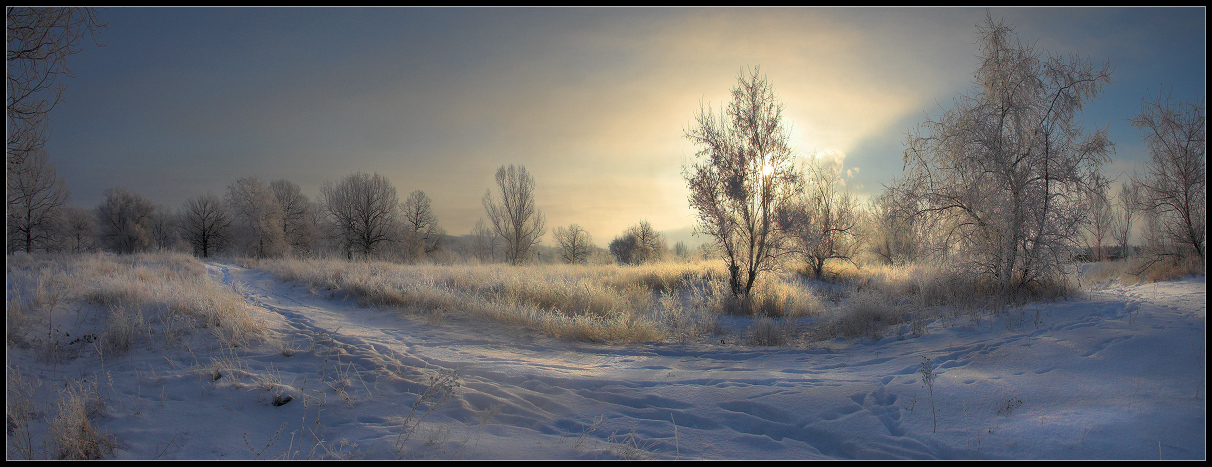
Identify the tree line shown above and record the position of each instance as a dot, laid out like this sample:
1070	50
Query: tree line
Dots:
1006	183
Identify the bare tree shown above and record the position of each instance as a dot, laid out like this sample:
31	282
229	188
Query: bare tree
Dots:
36	196
681	251
575	243
124	218
205	224
825	219
743	179
422	234
256	218
364	208
1099	222
1002	172
39	42
895	237
484	242
515	217
164	228
298	222
79	230
1128	201
639	244
1174	186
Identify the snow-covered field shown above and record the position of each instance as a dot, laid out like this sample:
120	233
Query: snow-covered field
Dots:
1118	374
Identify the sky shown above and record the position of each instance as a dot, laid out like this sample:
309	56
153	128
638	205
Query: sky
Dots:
594	102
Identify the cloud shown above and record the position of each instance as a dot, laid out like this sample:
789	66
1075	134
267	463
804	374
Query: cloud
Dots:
832	159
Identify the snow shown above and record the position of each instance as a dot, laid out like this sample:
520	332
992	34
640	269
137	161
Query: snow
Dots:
1116	374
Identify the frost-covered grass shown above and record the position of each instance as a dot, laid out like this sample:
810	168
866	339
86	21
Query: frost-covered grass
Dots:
1144	269
823	370
608	303
114	305
154	298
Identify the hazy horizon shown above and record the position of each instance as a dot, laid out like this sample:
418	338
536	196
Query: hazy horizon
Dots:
593	101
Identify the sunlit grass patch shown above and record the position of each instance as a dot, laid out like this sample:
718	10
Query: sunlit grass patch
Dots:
606	303
1141	270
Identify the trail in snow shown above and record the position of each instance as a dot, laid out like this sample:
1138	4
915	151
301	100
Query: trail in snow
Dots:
1101	377
1118	374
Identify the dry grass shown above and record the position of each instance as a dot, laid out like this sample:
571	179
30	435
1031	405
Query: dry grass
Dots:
159	300
72	433
155	297
610	303
1142	270
21	410
866	314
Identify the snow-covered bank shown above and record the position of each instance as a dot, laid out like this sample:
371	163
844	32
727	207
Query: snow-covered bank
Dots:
1118	374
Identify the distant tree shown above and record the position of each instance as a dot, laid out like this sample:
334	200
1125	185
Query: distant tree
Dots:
895	237
484	242
205	224
639	244
1174	187
422	234
79	230
623	248
575	243
36	196
681	251
1002	172
39	42
1128	202
743	180
164	229
125	221
365	211
1100	216
824	219
298	220
257	218
514	216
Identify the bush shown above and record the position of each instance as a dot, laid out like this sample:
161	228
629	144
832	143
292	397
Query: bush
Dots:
866	314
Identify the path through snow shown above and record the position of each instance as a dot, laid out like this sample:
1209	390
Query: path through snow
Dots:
1116	375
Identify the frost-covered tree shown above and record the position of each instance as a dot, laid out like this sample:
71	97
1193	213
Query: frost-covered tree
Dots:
125	221
824	219
743	179
639	244
165	229
1002	172
36	196
256	218
1128	204
422	234
1101	216
364	210
79	230
894	235
1174	187
298	220
681	251
484	242
513	214
576	245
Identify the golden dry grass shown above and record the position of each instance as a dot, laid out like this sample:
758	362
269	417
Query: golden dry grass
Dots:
609	303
